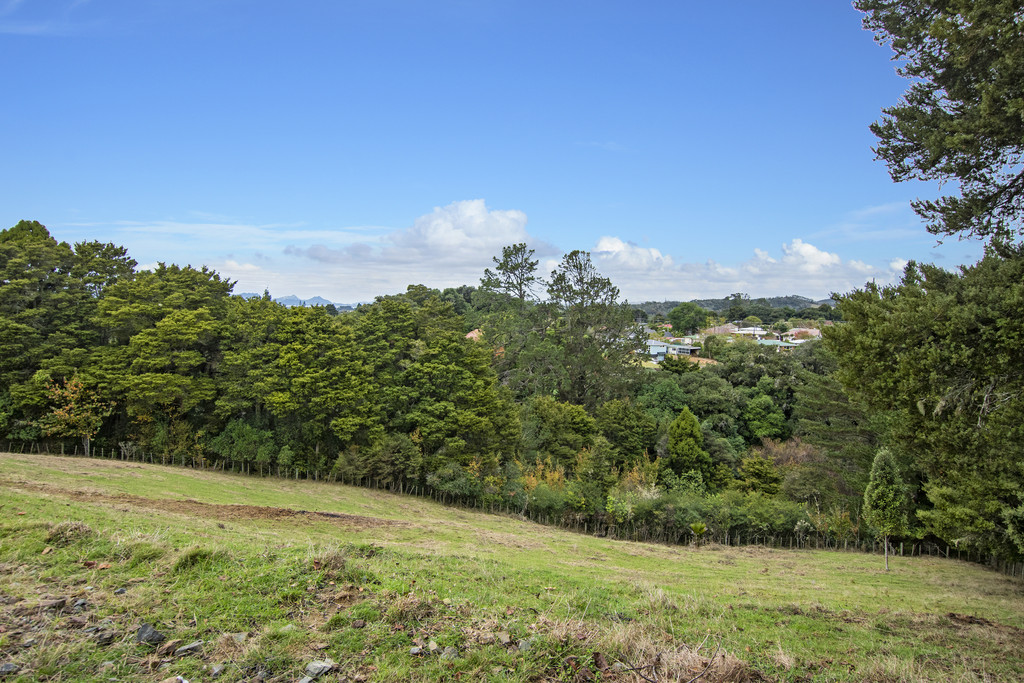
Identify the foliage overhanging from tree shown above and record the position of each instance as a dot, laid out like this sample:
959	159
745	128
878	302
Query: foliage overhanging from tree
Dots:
962	119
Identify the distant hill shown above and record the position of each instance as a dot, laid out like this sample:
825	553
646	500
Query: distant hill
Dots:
794	301
292	300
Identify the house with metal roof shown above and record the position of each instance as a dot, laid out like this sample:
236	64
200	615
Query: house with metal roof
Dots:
778	345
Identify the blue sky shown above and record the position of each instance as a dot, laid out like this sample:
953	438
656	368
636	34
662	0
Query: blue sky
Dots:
349	148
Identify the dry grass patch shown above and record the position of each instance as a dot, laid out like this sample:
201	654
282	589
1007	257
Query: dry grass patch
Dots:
67	533
654	655
408	608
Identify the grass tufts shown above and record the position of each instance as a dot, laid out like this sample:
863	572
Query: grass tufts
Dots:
408	608
67	533
330	561
142	552
198	557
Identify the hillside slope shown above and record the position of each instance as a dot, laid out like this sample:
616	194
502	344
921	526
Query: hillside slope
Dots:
273	575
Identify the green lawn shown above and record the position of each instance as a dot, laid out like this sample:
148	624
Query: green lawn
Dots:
204	555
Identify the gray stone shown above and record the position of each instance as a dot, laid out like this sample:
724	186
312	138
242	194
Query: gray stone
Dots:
105	637
169	646
319	667
449	653
9	668
148	634
239	638
415	650
524	645
433	646
80	604
217	670
487	639
358	623
120	591
55	604
192	648
306	679
504	638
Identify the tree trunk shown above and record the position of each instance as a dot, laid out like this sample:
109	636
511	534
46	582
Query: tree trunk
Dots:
886	542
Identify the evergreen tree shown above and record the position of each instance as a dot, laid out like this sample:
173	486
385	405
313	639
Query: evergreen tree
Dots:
685	447
631	432
514	275
960	121
599	342
938	356
885	500
687	318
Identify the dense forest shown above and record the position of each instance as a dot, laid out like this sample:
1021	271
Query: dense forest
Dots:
528	394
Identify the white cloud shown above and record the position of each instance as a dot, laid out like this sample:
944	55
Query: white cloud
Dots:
465	228
452	245
231	266
807	257
447	247
614	250
648	275
462	237
46	19
890	222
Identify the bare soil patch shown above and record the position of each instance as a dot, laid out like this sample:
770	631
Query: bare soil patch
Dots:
205	510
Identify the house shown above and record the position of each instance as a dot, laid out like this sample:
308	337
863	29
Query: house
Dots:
657	350
778	345
728	328
682	350
802	334
755	332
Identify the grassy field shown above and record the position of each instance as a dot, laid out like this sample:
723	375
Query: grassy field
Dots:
273	574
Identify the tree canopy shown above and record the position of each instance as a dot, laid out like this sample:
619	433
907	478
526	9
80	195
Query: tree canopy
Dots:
546	411
962	118
939	356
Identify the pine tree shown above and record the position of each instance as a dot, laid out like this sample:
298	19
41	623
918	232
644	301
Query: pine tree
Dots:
885	500
686	446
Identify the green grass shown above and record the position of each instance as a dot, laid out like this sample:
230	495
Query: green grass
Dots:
405	572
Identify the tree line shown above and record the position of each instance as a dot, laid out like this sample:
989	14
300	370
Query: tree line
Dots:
546	412
524	394
903	423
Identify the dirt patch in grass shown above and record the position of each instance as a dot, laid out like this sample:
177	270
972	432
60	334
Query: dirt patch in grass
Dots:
204	510
508	540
